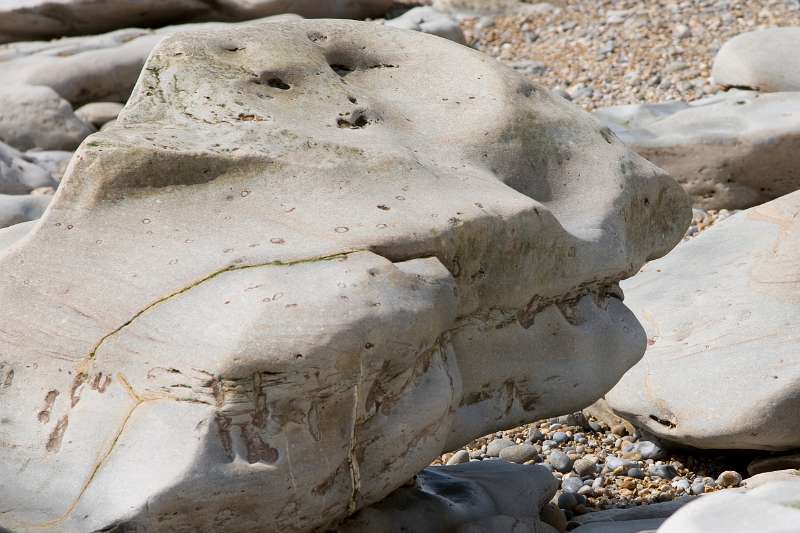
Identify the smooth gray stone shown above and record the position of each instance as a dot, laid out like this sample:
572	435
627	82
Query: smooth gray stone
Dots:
495	446
18	208
485	497
751	268
428	20
765	60
519	453
18	175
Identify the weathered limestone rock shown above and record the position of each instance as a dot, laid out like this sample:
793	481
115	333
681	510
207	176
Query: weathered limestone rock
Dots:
732	151
723	304
772	507
313	256
428	20
22	20
19	175
477	497
37	117
764	60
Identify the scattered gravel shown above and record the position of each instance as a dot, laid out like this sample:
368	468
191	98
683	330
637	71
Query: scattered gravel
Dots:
600	468
608	52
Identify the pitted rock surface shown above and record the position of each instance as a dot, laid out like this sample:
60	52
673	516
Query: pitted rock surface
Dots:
312	259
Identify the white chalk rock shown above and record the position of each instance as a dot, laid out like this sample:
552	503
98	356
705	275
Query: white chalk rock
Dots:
313	255
730	151
720	370
764	60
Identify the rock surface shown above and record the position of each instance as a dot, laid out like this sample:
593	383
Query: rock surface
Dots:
299	265
732	151
19	175
765	60
732	319
22	20
428	20
772	507
478	497
37	117
18	208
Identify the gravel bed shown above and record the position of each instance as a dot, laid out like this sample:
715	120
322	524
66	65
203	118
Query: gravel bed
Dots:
609	52
601	467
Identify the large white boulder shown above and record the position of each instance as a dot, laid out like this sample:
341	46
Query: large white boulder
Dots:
22	20
721	369
732	151
306	259
764	60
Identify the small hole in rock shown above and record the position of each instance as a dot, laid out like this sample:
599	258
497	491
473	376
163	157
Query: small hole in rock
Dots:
661	421
315	36
278	84
342	70
352	100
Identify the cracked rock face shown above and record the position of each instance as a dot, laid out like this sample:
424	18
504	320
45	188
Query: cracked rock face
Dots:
301	264
748	344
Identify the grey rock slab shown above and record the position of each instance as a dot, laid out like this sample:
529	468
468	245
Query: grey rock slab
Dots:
770	508
484	496
733	151
297	286
428	20
22	20
37	117
18	208
765	60
733	319
18	175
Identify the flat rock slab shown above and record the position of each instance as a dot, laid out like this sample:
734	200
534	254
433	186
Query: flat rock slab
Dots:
724	304
314	255
22	20
730	151
764	60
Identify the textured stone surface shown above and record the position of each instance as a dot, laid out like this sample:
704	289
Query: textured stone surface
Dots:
476	497
731	151
765	60
732	319
772	507
305	274
37	117
22	20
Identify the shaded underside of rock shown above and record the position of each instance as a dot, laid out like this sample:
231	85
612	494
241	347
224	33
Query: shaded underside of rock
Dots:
314	255
22	20
721	307
764	60
730	151
477	497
